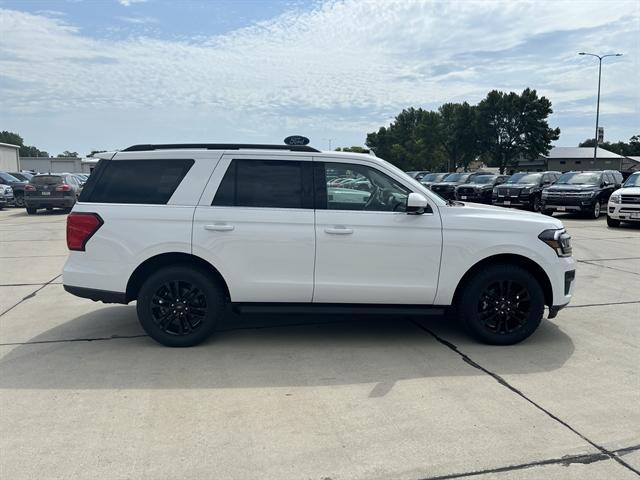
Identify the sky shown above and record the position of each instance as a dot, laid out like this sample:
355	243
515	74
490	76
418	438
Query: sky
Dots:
81	75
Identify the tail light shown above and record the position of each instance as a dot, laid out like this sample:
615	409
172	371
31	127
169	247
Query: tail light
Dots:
29	188
80	228
63	188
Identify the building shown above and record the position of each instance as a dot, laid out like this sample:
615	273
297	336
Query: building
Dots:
565	159
9	157
54	164
630	165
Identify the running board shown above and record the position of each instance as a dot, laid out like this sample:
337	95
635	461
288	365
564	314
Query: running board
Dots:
339	308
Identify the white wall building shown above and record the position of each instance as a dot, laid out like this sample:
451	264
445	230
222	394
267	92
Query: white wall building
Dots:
9	157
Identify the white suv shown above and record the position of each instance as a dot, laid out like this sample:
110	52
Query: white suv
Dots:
188	229
624	203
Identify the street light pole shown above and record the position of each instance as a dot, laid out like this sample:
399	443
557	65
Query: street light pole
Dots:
599	57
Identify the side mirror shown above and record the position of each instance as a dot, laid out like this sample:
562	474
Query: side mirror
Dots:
416	204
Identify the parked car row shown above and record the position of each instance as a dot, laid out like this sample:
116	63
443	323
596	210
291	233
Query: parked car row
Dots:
35	191
624	203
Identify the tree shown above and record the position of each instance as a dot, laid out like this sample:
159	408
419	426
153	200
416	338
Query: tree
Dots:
354	149
25	150
512	125
459	134
67	153
630	149
411	142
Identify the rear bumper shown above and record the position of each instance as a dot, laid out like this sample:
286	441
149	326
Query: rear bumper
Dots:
42	202
104	296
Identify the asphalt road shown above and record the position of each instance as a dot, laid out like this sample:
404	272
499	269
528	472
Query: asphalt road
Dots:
85	394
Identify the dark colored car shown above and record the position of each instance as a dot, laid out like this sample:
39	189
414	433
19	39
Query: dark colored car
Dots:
417	174
524	190
447	187
580	192
480	189
22	176
432	178
51	191
17	185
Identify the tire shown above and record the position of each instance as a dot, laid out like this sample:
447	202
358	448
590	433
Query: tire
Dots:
31	211
612	222
548	212
595	210
536	206
18	201
182	327
492	323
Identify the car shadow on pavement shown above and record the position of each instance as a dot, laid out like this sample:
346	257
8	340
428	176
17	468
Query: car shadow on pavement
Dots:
105	349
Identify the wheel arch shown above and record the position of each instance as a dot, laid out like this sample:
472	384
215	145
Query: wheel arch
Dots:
162	260
508	259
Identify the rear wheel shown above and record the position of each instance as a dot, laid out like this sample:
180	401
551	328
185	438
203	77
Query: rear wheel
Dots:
31	210
179	306
612	222
501	305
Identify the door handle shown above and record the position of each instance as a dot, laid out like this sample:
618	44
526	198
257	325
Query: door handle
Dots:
339	231
219	227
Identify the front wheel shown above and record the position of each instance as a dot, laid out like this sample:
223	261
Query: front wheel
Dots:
19	201
31	210
595	210
501	305
179	306
537	204
612	222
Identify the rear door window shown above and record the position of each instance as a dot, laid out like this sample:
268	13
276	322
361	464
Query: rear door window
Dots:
137	181
265	183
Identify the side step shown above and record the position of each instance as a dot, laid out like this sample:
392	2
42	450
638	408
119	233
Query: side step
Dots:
339	308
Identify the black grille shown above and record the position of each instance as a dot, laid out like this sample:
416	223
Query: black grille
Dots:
466	190
630	198
508	192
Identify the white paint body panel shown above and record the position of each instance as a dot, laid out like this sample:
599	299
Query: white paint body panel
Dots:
287	255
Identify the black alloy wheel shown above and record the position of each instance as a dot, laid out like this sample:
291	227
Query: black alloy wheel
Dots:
180	305
537	204
501	304
18	200
504	306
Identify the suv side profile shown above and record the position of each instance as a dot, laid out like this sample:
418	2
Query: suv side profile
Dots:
259	227
524	190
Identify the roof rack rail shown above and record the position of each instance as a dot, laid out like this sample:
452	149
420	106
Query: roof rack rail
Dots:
218	146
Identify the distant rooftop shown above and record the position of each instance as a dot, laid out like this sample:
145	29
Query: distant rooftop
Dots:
9	145
580	152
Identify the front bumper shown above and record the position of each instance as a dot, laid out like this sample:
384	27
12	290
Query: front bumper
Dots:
475	197
568	204
624	212
446	193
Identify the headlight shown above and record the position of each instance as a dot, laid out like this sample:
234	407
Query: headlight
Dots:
559	240
617	198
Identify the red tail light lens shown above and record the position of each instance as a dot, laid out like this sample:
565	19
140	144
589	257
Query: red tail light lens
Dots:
63	188
80	228
29	188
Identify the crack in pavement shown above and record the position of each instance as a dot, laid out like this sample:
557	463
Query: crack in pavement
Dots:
27	284
606	259
565	461
31	295
627	302
592	262
510	387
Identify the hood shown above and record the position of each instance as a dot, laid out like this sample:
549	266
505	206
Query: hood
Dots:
477	185
572	188
628	191
477	215
447	184
519	185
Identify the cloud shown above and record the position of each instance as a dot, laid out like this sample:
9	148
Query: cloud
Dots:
348	64
128	3
139	20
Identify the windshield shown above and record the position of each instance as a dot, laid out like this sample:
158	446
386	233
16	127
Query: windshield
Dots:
433	177
46	180
583	178
525	178
456	177
632	181
484	179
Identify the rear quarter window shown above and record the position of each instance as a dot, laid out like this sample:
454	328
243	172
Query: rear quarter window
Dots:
136	181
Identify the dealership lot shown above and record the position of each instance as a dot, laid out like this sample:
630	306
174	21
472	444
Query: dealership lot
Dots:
85	394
